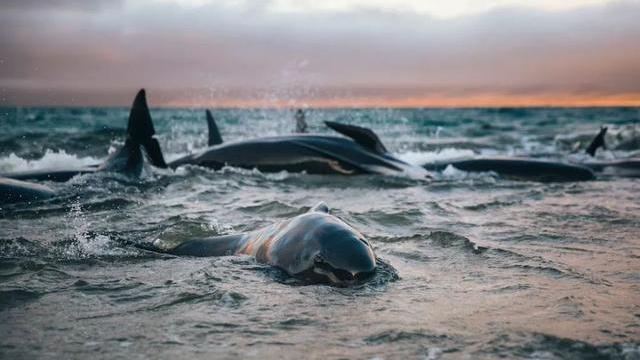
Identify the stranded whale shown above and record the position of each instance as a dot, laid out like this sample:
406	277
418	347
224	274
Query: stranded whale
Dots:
315	246
14	191
364	154
361	153
127	160
519	169
619	167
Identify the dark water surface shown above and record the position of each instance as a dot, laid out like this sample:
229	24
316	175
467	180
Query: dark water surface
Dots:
488	268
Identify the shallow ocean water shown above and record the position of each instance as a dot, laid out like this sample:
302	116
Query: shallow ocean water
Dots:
486	267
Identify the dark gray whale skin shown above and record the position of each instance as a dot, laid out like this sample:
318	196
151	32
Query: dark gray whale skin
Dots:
313	154
315	246
49	175
128	160
520	169
361	152
15	191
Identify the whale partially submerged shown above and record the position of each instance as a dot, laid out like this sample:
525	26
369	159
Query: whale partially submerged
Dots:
316	247
15	191
128	160
619	167
360	152
519	168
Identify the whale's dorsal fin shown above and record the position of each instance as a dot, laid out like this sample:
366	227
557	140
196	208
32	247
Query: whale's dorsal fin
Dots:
597	142
363	136
140	130
214	134
320	207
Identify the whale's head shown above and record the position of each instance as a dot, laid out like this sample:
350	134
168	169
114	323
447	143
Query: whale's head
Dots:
343	256
323	249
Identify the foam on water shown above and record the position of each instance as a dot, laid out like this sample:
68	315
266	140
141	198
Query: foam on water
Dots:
51	160
446	154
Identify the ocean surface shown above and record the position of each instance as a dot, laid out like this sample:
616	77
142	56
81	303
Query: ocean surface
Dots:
486	267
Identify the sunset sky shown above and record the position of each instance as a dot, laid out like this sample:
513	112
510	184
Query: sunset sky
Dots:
320	53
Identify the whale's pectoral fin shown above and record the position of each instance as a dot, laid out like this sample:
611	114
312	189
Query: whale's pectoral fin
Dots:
214	134
212	246
320	207
363	136
597	142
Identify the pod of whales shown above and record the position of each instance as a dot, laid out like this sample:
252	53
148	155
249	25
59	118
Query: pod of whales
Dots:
329	155
316	247
128	160
359	152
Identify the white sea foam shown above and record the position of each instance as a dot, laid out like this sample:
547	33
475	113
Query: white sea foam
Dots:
452	173
51	160
421	158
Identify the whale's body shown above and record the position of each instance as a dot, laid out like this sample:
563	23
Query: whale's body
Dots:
520	169
15	191
361	153
315	246
127	160
314	154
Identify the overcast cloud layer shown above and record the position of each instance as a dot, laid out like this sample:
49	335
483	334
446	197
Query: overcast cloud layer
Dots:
223	53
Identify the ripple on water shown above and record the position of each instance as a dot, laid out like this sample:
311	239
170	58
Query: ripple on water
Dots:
547	346
17	297
449	239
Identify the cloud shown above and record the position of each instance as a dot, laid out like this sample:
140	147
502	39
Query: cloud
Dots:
229	49
80	5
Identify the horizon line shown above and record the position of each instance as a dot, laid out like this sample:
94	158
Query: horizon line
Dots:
203	99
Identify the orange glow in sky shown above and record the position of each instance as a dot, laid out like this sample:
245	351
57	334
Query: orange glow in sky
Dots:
406	53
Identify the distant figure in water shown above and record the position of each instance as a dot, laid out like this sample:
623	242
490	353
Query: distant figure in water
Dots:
597	142
301	124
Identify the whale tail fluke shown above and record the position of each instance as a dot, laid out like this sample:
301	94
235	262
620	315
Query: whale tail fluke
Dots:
597	142
140	127
363	136
141	131
129	159
214	133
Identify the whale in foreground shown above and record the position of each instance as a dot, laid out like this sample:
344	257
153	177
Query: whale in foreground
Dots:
128	160
316	247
